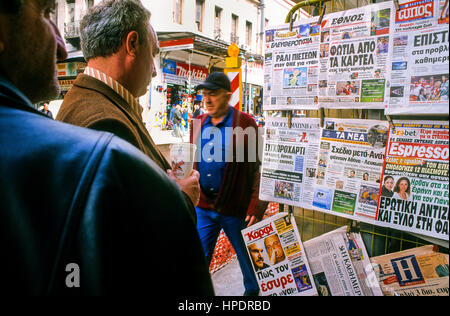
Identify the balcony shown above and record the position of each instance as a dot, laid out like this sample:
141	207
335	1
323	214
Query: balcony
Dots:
72	33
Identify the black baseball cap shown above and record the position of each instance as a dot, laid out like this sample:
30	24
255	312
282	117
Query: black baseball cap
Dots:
215	81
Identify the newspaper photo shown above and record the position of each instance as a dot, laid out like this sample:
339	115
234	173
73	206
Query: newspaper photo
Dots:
349	168
340	265
414	195
420	76
291	66
355	57
289	163
278	258
419	271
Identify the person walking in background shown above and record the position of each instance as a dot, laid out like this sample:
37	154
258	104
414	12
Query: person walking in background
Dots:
229	187
119	45
46	111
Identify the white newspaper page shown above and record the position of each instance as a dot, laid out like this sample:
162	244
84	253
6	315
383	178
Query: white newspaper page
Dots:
419	271
289	163
340	265
415	188
355	57
349	168
419	78
278	258
291	66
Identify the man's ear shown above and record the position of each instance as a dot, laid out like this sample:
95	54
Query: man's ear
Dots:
132	43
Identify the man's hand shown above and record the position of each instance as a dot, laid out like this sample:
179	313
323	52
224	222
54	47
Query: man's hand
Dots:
251	220
190	185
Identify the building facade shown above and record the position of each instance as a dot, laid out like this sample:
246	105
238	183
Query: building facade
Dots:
194	36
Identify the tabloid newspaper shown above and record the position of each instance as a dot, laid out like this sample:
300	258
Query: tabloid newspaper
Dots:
419	78
278	258
355	57
291	66
420	271
340	265
289	161
349	167
415	191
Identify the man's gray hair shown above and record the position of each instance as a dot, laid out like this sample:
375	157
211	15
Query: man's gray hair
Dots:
107	24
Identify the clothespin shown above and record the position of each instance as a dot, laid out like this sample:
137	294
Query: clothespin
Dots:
292	19
397	6
290	210
289	115
354	227
391	124
322	116
322	14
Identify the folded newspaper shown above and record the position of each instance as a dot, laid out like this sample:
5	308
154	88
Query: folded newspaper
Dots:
278	257
340	265
420	271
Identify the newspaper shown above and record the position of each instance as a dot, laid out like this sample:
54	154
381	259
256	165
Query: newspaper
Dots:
414	272
415	190
278	259
340	265
355	62
349	167
289	161
291	66
420	77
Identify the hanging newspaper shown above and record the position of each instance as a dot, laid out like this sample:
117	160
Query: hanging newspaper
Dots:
291	66
278	258
349	167
340	265
419	78
420	271
289	161
355	57
415	189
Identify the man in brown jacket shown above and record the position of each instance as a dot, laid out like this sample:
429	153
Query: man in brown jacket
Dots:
119	44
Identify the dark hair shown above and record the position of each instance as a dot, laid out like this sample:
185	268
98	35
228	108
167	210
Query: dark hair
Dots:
397	185
387	177
11	6
105	26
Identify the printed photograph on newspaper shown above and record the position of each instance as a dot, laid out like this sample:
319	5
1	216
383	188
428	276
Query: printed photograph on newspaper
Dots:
289	161
278	257
355	62
349	168
420	76
340	264
419	271
291	69
415	191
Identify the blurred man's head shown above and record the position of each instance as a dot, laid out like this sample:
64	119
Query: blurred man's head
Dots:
121	30
30	45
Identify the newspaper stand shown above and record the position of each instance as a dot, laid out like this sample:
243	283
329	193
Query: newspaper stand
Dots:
378	240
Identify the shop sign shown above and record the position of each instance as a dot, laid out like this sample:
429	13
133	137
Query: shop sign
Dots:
178	72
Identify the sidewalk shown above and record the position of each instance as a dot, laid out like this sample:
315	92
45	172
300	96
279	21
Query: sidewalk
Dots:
228	281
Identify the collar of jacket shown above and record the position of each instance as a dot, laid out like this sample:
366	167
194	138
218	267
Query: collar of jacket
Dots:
9	92
126	95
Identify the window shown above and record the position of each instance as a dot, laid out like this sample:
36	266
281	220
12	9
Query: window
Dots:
199	4
217	22
234	29
178	11
248	33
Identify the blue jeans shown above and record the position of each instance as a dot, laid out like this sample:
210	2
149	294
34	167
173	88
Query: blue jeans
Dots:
209	224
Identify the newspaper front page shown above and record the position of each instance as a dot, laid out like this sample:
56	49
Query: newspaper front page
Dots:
414	272
420	76
340	265
349	168
291	66
415	191
278	258
355	57
289	161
